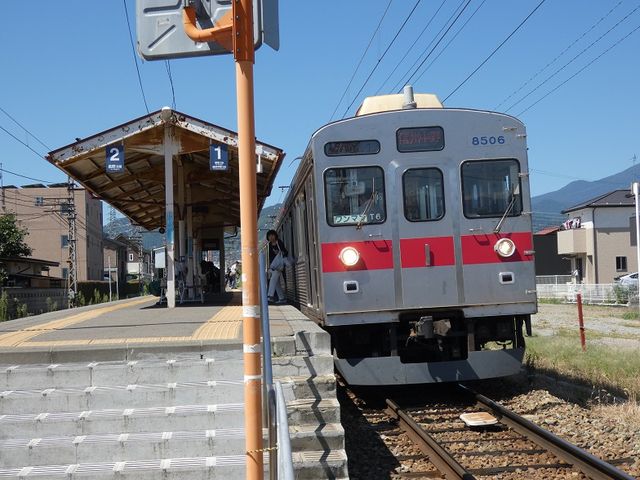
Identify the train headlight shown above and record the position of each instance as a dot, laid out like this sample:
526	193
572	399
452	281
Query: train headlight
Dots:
349	256
505	247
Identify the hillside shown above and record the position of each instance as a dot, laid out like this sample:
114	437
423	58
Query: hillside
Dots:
547	208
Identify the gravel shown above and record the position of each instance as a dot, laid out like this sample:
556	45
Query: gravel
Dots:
378	449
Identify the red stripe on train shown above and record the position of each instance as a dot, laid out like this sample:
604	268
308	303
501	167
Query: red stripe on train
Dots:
478	248
413	252
374	255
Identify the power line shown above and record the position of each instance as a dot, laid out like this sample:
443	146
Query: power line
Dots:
380	59
411	47
495	50
25	176
167	65
441	38
135	59
24	128
575	57
580	71
20	141
558	56
384	14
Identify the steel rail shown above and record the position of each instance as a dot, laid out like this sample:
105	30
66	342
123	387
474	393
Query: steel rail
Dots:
592	466
441	459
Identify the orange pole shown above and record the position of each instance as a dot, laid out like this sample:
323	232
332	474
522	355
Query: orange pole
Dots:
583	340
243	50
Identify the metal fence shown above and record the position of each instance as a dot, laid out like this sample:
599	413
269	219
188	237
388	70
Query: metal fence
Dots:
596	294
553	279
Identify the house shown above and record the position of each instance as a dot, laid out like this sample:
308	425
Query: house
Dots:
42	210
27	272
137	258
547	259
599	237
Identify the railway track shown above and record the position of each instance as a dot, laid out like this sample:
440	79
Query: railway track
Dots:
513	447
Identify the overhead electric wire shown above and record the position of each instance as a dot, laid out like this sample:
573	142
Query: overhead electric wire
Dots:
575	57
495	50
455	35
535	75
167	65
135	58
581	70
458	12
408	50
384	14
382	56
20	141
25	129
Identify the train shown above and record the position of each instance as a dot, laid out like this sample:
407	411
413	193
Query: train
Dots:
410	229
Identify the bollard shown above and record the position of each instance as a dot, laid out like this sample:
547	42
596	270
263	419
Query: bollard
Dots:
583	341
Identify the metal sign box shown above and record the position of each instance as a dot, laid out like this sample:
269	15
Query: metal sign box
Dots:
161	36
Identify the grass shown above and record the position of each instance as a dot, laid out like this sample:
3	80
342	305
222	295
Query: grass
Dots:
602	366
631	315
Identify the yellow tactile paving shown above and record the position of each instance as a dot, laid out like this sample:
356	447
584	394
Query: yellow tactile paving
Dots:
224	325
14	339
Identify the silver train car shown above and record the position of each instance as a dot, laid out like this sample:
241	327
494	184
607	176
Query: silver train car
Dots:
410	225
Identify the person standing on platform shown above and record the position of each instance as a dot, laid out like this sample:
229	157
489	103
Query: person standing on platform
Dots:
278	256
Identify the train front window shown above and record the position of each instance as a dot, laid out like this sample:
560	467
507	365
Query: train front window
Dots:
490	188
355	196
423	194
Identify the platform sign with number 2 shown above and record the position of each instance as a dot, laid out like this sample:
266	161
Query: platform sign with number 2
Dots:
115	159
218	157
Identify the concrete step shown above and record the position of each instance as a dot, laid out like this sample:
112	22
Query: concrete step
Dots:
308	466
150	371
312	465
122	447
149	445
150	419
142	395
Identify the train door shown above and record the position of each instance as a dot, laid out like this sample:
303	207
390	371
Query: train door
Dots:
311	245
427	263
496	241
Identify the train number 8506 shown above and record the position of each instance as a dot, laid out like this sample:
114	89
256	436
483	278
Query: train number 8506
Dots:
487	140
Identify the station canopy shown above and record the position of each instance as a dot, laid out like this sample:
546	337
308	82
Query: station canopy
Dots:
139	190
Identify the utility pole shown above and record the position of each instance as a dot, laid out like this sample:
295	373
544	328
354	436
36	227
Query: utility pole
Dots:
72	261
2	187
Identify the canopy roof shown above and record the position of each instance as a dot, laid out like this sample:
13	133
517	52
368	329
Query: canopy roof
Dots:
139	193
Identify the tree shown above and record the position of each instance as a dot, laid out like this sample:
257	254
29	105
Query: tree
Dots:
12	242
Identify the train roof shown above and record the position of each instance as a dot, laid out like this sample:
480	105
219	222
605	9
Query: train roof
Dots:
387	103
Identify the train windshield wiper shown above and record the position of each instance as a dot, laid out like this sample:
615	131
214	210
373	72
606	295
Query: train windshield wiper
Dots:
512	202
368	205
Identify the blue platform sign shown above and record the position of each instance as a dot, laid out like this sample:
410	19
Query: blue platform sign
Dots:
115	159
218	157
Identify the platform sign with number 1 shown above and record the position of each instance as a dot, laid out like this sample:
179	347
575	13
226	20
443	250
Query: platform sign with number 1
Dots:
218	157
114	159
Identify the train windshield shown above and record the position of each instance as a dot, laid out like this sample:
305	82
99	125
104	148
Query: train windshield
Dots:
423	194
490	188
355	196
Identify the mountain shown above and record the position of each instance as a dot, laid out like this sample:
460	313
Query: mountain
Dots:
547	208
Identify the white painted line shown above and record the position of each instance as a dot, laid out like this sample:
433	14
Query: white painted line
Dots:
212	408
41	416
132	363
131	388
170	410
90	390
24	472
252	378
84	414
53	366
172	386
79	439
165	464
119	466
127	412
210	433
123	437
48	391
71	469
211	383
34	442
92	365
167	435
210	462
6	393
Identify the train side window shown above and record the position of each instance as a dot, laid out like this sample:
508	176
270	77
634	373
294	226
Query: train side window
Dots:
490	188
423	193
355	196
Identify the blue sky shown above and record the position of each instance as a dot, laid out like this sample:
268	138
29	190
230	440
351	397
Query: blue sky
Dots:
67	71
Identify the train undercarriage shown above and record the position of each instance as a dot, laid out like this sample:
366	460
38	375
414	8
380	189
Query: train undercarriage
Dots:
428	347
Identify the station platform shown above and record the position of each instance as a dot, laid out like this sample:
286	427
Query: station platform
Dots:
133	389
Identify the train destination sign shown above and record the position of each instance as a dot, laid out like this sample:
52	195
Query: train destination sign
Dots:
356	147
420	139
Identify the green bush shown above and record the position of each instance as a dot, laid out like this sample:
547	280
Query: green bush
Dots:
4	307
22	310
